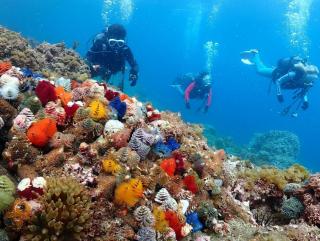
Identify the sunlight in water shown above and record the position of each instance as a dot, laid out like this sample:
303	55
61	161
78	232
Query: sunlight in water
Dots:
211	51
121	8
126	9
214	12
297	19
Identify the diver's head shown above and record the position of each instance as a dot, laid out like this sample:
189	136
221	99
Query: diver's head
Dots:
116	35
205	77
297	60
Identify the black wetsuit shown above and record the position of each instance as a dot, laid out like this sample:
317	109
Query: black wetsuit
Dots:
111	60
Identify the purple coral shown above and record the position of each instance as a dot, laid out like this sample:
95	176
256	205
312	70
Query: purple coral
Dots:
141	142
146	234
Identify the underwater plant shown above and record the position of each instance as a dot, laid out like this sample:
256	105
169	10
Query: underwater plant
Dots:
65	212
7	190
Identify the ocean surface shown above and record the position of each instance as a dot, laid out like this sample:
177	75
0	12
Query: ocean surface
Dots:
168	38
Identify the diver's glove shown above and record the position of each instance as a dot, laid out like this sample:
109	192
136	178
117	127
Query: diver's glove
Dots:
133	77
305	105
188	105
280	98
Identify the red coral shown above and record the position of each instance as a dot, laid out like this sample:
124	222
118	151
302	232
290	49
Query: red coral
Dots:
180	162
45	92
121	138
169	166
110	94
152	114
40	132
174	223
190	182
4	67
70	110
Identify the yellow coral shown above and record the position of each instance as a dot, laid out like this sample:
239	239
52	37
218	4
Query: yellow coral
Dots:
97	110
278	177
110	166
161	224
129	193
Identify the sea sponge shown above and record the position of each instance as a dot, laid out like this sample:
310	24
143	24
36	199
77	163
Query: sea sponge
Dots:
19	213
110	166
65	214
292	208
19	150
9	87
7	190
169	166
30	101
191	184
98	110
41	131
129	193
45	92
5	66
63	95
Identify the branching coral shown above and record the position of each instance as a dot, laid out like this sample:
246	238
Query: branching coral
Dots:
65	213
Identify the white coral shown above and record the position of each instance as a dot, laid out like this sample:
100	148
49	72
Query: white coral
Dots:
65	83
162	196
9	87
113	126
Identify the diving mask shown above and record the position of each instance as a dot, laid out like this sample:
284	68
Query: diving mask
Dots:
116	43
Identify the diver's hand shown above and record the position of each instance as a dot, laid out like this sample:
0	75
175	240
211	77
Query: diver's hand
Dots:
305	105
188	105
133	77
280	98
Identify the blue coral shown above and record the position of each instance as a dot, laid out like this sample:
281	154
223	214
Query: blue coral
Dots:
172	144
292	208
119	106
161	149
194	221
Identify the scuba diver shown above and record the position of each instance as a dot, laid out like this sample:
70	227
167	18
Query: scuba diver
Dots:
108	55
291	73
195	87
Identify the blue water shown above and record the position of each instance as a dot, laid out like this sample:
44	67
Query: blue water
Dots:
167	38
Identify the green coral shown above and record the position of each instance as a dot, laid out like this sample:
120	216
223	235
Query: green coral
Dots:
208	214
65	214
3	235
7	190
292	208
272	175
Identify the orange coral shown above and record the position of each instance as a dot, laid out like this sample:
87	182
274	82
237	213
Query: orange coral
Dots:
40	132
19	213
129	193
63	95
161	224
4	67
169	166
124	97
110	166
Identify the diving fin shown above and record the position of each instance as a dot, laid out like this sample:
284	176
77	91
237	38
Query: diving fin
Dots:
247	62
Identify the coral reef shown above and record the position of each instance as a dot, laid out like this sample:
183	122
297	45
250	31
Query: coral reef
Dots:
94	164
278	148
54	59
